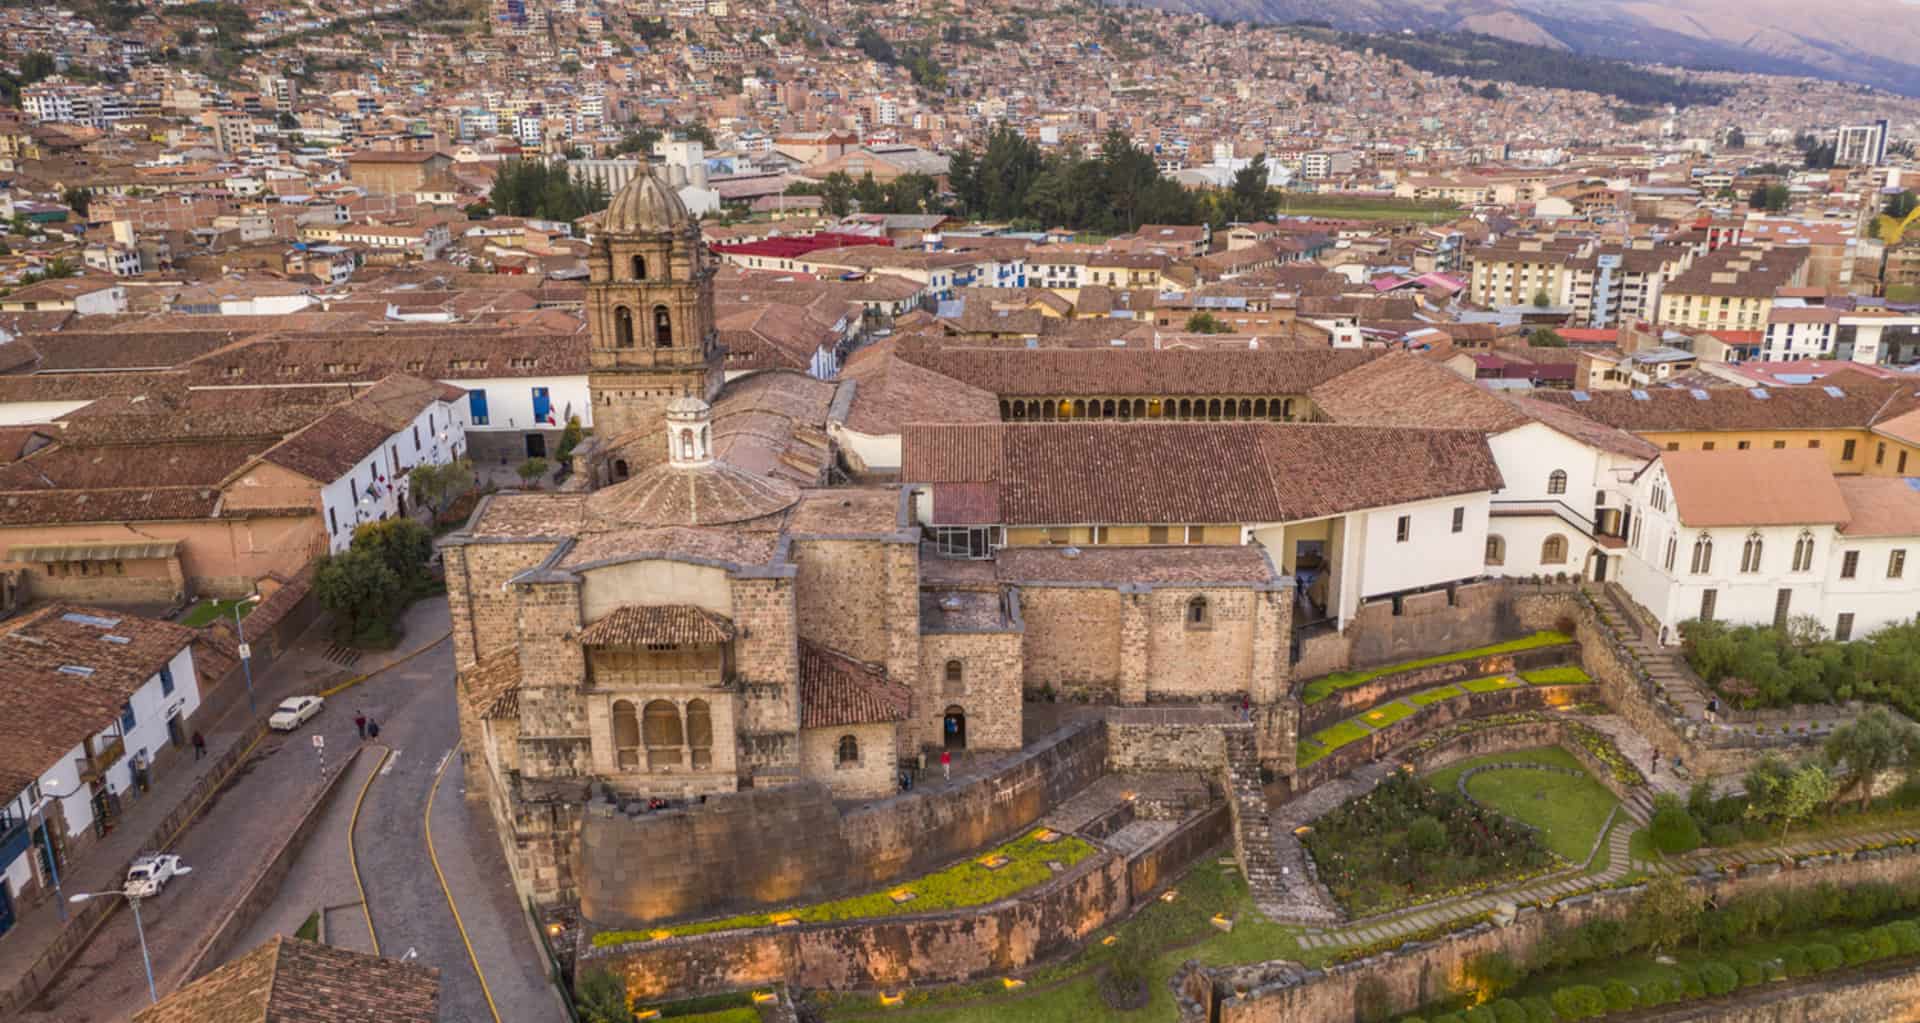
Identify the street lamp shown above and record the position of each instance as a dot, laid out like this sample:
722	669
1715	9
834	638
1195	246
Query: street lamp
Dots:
46	836
139	928
246	654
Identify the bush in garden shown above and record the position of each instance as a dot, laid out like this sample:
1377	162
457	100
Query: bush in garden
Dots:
1656	992
1906	936
1856	949
1823	957
1692	983
1538	1011
1750	972
1506	1010
1493	973
1718	977
1724	834
1673	831
1479	1014
1451	1017
1579	1001
1885	945
1794	959
1620	996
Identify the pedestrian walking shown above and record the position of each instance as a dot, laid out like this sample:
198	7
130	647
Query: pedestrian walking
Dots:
199	745
946	764
1655	768
1246	709
360	723
373	729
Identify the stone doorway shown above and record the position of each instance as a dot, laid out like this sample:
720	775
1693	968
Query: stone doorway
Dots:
955	728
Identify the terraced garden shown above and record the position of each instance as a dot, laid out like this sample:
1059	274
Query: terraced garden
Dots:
1326	685
1367	722
1568	809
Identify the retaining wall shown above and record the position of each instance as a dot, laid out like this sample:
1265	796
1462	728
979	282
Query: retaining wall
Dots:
1446	712
1152	868
1344	703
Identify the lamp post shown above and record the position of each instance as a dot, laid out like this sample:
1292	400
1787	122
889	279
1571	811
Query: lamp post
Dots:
133	900
46	837
246	654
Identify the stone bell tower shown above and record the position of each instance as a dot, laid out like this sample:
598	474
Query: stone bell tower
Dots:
649	309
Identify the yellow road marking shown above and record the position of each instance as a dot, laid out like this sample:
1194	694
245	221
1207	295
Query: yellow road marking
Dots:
448	892
353	860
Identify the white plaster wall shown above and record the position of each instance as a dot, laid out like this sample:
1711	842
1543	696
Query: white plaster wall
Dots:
1432	555
510	401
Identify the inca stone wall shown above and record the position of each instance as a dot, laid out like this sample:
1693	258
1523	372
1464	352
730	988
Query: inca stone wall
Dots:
988	691
870	774
842	591
1072	639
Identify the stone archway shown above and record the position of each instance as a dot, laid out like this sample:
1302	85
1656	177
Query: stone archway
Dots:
954	728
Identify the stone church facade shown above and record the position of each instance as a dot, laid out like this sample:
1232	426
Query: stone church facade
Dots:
700	612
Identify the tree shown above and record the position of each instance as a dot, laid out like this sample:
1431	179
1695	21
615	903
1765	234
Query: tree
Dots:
601	997
1489	91
35	66
837	191
1251	198
1736	139
78	199
1546	337
569	439
1786	794
1898	206
1541	300
1207	323
1673	829
437	485
401	544
532	469
358	587
1871	744
1772	197
1666	913
640	140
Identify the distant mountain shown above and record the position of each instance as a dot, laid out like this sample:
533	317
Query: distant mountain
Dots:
1876	42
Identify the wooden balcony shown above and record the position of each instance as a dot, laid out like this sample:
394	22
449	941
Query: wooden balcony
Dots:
95	766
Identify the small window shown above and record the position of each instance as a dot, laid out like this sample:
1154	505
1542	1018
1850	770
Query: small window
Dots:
1459	520
1901	468
1849	564
1557	482
1496	549
1750	554
127	719
1708	599
1060	534
847	752
956	676
1814	443
1880	453
1199	615
1843	626
166	680
1896	564
1846	451
1403	530
620	469
1553	551
1703	555
1673	445
1803	552
1779	444
1156	534
333	521
1706	445
1744	445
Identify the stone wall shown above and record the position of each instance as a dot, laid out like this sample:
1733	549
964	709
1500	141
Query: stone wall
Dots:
1477	614
1155	867
946	947
767	847
988	692
1381	743
842	600
1072	641
1344	703
1415	976
1210	660
873	773
484	617
1165	747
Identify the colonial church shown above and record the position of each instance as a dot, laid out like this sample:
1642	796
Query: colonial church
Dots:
709	607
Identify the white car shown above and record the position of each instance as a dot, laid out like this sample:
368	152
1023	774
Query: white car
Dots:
151	873
294	712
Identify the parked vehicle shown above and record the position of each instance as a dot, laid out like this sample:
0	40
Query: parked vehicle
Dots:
151	873
294	712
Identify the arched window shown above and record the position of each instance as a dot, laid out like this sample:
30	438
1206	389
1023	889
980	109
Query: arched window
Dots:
700	734
1803	552
1553	550
660	727
1139	408
620	469
1046	409
1260	408
956	676
1557	482
1703	555
662	327
639	268
1496	549
626	736
1246	408
1750	553
1186	408
686	444
1673	550
1286	409
1213	409
847	752
1197	613
622	327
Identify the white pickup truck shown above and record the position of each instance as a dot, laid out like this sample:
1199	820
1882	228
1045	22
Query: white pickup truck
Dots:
151	873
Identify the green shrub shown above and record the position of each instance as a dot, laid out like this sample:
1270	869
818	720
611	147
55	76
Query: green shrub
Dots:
1720	835
1793	959
1692	983
1658	991
1451	1017
1673	831
1856	949
1906	936
1718	977
1750	972
1425	834
1620	996
1493	973
1823	957
1538	1011
1579	1001
1885	945
1506	1010
1479	1014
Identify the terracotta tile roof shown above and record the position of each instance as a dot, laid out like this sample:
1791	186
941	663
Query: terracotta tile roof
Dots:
70	351
492	686
1405	390
174	413
1880	505
129	504
889	392
1584	430
1146	372
1729	408
1717	488
667	623
729	544
1238	564
837	690
333	444
1175	472
93	467
526	516
288	980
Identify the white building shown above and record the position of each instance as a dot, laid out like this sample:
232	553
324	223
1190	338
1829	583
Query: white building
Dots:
1760	536
92	703
1561	509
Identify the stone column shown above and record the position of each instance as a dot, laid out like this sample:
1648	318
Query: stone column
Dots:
1136	643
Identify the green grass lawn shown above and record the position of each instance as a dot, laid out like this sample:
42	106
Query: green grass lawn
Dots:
1565	675
1640	846
1325	686
1387	713
1429	697
1490	684
1172	932
206	611
968	883
309	928
1568	811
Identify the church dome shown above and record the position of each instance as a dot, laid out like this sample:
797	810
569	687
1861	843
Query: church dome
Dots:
711	494
645	205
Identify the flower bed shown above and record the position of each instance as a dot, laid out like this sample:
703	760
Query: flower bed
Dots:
968	883
1408	842
1320	688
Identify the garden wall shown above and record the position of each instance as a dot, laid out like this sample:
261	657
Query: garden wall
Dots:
770	847
1169	858
1446	712
1345	703
1415	975
885	953
1165	747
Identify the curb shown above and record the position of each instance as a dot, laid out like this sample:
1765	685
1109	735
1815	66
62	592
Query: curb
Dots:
434	858
353	859
395	663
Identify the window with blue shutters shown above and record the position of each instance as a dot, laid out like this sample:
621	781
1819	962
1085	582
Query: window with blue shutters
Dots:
166	681
542	405
126	719
477	406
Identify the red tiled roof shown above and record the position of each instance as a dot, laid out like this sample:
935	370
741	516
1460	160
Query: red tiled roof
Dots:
668	623
837	690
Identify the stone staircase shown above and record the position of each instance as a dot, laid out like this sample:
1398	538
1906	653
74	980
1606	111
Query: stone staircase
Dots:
1674	683
1252	822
